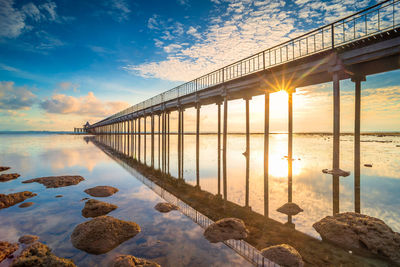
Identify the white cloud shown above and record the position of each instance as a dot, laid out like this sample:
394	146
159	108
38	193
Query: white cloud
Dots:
236	30
193	31
152	22
86	105
15	98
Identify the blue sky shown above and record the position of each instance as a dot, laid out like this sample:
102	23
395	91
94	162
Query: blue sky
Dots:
65	62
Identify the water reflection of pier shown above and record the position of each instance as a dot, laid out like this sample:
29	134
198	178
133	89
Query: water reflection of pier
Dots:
243	248
263	229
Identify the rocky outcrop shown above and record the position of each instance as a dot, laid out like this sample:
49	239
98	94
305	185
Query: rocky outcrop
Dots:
28	239
102	234
2	168
8	176
101	191
39	254
95	208
357	231
15	198
57	181
225	229
6	249
290	209
131	261
284	255
25	204
165	207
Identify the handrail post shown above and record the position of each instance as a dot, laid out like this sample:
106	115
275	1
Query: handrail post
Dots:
333	36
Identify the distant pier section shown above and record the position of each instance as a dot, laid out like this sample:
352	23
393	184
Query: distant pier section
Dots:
82	130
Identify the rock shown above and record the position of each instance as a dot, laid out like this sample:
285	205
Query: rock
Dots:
290	209
357	231
95	208
101	191
85	198
337	172
15	198
102	234
39	254
57	181
128	261
28	239
165	207
2	168
26	204
368	165
224	229
6	249
58	196
8	176
284	255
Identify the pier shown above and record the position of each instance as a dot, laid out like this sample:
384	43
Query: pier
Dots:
362	44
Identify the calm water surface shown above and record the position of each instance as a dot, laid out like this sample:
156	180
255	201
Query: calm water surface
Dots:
173	239
170	239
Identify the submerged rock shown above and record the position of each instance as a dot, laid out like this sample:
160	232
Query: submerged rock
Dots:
284	255
102	234
165	207
28	239
368	165
130	261
15	198
25	204
8	176
357	231
39	254
101	191
57	181
224	229
290	209
58	196
2	168
95	208
337	172
6	249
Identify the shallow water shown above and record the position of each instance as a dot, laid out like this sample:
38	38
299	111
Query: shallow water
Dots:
173	239
170	239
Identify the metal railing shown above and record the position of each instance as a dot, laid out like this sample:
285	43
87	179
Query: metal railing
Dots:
376	19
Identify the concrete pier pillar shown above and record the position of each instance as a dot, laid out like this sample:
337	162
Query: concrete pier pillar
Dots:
139	141
168	141
198	145
152	140
290	143
179	142
183	143
247	152
219	148
144	139
224	145
266	158
336	141
159	141
357	132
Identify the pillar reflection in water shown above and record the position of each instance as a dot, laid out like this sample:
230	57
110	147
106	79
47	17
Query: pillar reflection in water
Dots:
266	152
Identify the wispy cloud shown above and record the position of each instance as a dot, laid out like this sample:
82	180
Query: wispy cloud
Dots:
15	21
119	10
